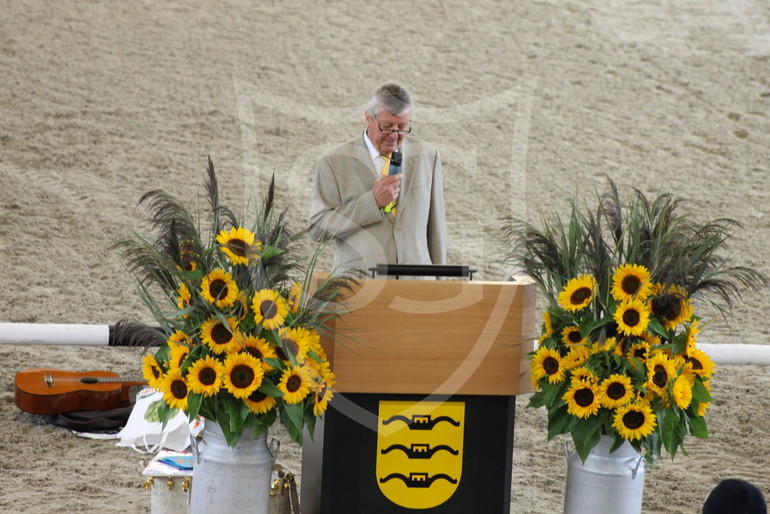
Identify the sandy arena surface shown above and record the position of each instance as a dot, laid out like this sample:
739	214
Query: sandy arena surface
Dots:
529	102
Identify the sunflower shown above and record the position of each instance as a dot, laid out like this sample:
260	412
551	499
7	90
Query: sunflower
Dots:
189	254
582	399
294	344
629	281
242	305
584	375
692	333
183	296
634	420
638	350
632	317
259	403
205	376
152	371
609	345
547	327
576	357
571	335
322	396
660	370
179	337
177	355
578	293
242	374
615	391
239	244
175	390
295	385
700	363
221	337
682	391
269	308
547	363
260	349
219	288
670	305
295	297
547	324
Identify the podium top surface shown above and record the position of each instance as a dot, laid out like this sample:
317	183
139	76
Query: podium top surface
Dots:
435	337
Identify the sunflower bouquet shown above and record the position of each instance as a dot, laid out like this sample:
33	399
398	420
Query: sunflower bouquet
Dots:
239	337
618	353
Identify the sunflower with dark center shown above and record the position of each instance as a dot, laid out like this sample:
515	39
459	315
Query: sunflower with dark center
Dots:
219	288
239	244
260	403
242	374
152	371
634	421
205	376
178	354
629	281
661	369
615	391
578	293
260	349
175	390
295	385
571	336
294	345
323	396
220	337
547	363
700	363
269	308
632	317
582	400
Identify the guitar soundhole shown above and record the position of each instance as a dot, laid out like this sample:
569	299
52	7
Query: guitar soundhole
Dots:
89	380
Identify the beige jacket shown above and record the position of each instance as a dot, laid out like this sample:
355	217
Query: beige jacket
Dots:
343	209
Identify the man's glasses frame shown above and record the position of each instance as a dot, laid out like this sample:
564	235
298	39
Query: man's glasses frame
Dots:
398	132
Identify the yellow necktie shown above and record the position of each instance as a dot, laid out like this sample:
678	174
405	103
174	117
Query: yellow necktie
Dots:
391	207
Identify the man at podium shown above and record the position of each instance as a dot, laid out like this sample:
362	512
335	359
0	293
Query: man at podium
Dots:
375	210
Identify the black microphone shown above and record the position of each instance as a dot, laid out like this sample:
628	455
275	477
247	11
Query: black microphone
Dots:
395	163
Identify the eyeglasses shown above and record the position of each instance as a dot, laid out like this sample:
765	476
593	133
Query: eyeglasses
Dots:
389	131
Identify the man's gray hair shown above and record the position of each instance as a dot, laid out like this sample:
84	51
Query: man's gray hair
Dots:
392	97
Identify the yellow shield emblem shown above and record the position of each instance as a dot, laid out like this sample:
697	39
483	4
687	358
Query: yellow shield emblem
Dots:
419	451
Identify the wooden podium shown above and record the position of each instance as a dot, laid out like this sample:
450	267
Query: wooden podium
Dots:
422	418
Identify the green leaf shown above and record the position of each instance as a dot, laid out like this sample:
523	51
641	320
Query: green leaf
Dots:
287	418
668	420
698	427
536	400
656	327
270	389
553	393
585	436
194	401
295	414
700	393
270	251
154	412
558	421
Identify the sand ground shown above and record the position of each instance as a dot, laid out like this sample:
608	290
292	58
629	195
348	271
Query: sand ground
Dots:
529	103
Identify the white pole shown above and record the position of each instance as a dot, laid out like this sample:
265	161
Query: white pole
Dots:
758	354
53	333
99	335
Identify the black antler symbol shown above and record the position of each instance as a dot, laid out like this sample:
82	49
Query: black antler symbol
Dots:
419	451
420	421
418	480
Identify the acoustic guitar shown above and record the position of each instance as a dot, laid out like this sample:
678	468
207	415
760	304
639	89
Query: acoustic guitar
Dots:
53	391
